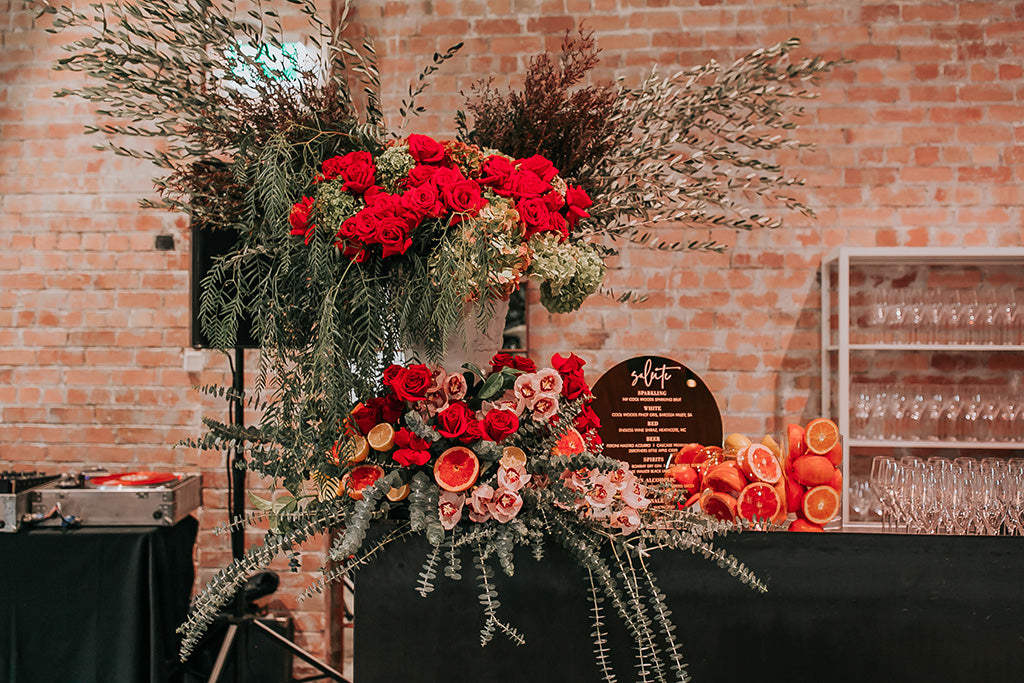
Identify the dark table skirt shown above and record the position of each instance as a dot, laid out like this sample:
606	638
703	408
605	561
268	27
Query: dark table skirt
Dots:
861	608
94	604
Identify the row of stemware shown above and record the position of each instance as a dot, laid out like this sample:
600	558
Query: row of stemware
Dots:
936	412
950	496
919	315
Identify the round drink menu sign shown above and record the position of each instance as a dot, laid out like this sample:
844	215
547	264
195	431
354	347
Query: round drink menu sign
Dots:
650	407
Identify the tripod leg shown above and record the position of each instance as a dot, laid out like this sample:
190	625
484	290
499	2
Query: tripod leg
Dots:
300	653
222	656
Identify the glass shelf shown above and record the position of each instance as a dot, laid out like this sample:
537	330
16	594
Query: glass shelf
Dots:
925	443
930	347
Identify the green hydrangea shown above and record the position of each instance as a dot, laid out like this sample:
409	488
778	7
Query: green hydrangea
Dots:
568	272
393	165
333	206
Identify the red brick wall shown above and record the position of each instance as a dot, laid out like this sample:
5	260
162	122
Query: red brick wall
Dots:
919	142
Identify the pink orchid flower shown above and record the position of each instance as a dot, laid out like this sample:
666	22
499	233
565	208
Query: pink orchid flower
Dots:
506	505
627	519
512	478
449	508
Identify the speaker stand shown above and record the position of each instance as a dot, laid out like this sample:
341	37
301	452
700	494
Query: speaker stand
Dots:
241	622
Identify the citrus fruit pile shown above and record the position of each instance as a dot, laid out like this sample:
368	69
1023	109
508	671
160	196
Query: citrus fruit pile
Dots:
813	473
744	483
762	483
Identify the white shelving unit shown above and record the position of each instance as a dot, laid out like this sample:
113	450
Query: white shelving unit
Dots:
836	349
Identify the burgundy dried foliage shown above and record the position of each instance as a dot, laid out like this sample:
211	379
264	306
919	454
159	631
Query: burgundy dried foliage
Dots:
572	126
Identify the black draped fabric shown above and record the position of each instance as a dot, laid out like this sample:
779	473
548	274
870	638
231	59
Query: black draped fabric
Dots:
863	608
94	604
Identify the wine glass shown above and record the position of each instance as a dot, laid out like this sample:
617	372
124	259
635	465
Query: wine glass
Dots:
962	506
883	481
992	498
942	480
967	418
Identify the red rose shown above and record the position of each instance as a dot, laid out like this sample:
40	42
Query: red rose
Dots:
356	169
367	415
522	184
463	197
410	456
576	203
298	217
391	373
587	421
392	237
423	200
453	420
373	193
412	384
539	166
535	214
357	229
573	386
515	361
445	177
391	409
425	150
495	170
473	432
405	438
497	424
572	363
421	175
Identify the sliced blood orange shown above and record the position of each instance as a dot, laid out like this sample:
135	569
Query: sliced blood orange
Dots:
381	437
690	501
758	502
456	469
354	452
759	463
725	477
570	443
719	505
813	470
821	435
821	504
358	478
803	525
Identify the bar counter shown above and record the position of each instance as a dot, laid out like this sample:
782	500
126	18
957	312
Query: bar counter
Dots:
857	607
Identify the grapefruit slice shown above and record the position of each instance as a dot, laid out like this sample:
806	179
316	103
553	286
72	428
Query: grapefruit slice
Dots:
570	443
821	504
759	463
821	435
719	505
358	478
456	469
381	437
758	502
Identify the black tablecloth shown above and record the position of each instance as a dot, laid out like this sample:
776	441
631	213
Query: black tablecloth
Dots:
861	608
94	604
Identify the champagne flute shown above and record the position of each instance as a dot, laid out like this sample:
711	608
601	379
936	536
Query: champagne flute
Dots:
883	482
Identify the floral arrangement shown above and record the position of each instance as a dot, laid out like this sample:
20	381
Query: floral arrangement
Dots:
487	219
354	244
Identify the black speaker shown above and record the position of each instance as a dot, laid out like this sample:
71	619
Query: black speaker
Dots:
206	246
